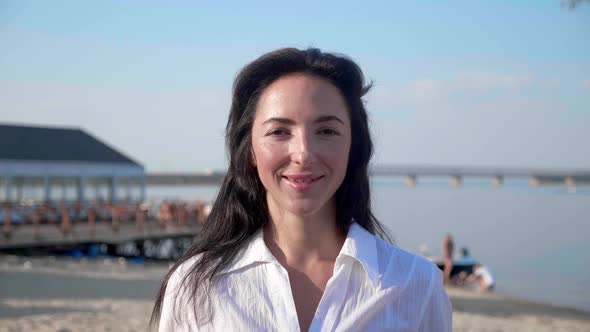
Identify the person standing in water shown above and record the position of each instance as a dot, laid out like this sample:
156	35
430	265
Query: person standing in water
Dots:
448	247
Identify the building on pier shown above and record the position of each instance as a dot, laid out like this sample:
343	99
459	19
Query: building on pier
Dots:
65	164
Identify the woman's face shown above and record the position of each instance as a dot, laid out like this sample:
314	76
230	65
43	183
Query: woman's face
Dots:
301	139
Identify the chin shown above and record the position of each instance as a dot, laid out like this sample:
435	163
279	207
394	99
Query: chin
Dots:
303	209
306	208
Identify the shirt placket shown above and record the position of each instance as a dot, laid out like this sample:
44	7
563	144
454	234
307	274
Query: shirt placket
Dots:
288	303
333	298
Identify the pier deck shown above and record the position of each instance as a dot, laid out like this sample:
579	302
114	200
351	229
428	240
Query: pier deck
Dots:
31	236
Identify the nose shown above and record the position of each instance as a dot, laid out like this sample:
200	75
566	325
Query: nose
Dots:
302	150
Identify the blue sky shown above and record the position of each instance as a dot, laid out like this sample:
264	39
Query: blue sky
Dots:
494	83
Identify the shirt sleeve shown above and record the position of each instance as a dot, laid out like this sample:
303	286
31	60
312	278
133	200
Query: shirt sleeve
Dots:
168	317
439	310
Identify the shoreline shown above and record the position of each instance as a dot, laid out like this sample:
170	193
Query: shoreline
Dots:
473	311
494	304
118	268
68	295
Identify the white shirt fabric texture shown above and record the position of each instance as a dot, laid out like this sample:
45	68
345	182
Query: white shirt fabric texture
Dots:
375	287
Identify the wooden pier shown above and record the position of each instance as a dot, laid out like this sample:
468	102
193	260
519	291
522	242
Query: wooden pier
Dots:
51	235
124	230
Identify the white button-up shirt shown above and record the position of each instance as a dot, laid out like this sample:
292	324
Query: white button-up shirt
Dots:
375	287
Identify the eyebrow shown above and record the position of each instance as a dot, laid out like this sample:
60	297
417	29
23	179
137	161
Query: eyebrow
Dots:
321	119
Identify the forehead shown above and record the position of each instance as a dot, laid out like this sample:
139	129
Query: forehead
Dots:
299	96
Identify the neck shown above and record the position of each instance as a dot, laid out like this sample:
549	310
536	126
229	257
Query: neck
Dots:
301	240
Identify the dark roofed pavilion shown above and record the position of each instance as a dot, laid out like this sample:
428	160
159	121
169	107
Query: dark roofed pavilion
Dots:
56	144
33	155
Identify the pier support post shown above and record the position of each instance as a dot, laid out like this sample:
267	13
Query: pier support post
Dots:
115	222
19	189
142	189
569	182
64	189
113	190
66	225
80	189
456	181
128	190
9	188
47	188
497	181
7	227
164	214
181	211
139	218
200	209
410	181
91	219
534	182
36	225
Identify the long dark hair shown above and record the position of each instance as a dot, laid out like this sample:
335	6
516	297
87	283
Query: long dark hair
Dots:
240	209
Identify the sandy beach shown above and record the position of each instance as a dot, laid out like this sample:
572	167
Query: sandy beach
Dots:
474	311
57	294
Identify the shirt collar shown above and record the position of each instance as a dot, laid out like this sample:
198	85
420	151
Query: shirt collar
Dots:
359	245
255	251
362	246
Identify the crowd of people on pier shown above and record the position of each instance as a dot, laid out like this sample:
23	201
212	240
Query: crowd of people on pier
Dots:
68	214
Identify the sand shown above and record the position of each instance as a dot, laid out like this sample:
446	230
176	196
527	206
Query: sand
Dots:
474	311
76	315
113	295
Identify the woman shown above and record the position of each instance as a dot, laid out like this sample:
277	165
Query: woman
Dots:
290	243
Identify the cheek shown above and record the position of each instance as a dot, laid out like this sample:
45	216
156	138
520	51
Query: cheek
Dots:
337	155
266	158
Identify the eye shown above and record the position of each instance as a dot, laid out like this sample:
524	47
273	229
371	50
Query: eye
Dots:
328	132
278	132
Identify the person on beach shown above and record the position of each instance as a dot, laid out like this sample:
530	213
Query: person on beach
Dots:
291	243
448	247
482	277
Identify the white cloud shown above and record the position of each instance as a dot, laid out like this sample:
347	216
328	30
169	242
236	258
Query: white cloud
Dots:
469	83
428	92
483	82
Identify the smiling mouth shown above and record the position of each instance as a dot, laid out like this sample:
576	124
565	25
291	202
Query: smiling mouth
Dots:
305	180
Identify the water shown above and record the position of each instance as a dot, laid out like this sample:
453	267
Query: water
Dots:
535	241
18	285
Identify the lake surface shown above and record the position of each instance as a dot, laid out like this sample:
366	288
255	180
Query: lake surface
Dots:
536	241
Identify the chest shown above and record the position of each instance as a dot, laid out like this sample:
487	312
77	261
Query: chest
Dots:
307	287
273	300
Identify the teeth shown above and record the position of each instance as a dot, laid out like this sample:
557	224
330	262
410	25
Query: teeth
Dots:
303	181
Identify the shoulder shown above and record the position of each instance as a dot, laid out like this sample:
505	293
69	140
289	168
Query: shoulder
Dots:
417	283
394	266
176	299
406	270
180	273
178	285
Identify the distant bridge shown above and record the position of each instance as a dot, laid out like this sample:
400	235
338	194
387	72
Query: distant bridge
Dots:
537	177
184	179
